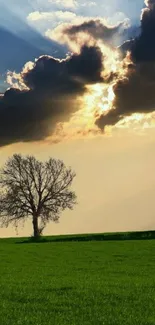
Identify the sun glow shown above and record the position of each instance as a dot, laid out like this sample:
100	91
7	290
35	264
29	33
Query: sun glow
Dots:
96	99
99	99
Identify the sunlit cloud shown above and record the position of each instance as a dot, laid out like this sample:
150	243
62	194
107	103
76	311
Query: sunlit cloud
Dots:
85	30
50	16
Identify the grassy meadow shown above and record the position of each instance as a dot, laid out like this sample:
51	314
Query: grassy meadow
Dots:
73	282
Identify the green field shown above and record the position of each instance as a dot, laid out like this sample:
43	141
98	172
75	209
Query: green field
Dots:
76	283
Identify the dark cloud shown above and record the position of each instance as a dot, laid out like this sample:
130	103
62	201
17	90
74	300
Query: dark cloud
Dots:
133	94
97	29
136	92
111	118
54	86
66	76
128	38
143	48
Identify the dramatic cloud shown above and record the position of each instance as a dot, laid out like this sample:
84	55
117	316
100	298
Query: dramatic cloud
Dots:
143	48
98	85
51	89
78	33
97	29
135	93
150	4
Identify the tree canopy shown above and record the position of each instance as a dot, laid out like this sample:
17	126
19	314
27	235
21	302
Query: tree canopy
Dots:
31	188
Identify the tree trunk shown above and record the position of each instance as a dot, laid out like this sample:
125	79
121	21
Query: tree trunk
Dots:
35	226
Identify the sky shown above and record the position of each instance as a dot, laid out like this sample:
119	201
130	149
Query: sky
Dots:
77	83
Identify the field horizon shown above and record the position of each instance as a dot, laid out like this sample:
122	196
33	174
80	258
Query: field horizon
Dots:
131	235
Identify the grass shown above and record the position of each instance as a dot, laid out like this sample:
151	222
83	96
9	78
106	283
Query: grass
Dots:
77	283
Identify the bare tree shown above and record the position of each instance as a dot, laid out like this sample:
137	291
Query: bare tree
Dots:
30	188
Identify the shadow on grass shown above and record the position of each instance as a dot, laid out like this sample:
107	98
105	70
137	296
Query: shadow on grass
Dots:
23	299
60	290
145	235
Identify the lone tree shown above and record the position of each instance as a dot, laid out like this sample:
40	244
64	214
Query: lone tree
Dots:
30	188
